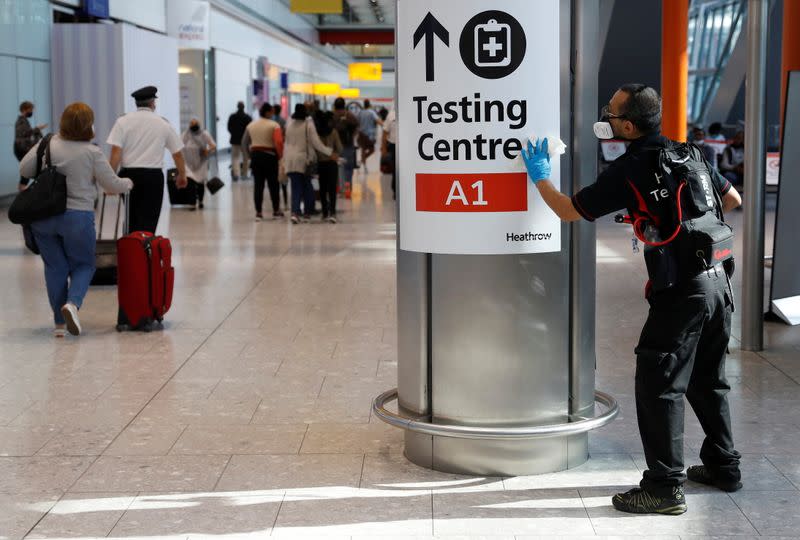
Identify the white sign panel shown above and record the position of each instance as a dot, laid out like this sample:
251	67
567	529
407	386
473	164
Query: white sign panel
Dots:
188	20
473	85
773	168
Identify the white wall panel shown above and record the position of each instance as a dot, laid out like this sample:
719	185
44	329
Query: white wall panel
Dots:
234	35
147	13
233	80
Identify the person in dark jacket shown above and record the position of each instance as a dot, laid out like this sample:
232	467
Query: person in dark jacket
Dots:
237	123
25	136
682	347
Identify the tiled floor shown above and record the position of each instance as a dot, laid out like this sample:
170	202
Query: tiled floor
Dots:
249	415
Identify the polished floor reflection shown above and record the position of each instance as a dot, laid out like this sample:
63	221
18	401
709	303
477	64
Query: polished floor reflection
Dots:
249	414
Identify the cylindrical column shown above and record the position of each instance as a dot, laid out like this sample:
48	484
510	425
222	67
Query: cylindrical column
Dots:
790	49
674	67
754	172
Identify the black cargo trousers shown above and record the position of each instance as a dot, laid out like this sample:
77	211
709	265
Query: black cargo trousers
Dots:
682	351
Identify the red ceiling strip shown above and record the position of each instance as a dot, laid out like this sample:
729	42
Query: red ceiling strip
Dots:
357	37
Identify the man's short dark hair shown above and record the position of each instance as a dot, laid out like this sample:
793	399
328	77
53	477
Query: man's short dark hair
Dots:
642	108
265	109
715	128
277	108
338	104
25	105
366	104
240	105
145	102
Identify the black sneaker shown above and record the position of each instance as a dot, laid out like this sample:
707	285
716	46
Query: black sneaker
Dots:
701	475
640	501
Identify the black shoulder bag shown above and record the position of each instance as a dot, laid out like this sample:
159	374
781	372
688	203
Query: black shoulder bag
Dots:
46	196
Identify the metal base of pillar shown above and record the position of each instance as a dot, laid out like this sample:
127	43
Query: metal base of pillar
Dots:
496	458
496	451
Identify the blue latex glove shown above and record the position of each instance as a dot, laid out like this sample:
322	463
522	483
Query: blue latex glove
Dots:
537	160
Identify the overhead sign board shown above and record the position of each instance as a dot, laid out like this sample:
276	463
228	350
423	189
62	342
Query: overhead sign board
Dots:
188	20
365	71
473	86
316	6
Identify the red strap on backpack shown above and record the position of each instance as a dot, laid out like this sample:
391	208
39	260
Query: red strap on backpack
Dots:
642	216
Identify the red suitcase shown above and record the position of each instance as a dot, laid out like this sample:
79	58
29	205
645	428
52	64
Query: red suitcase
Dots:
145	280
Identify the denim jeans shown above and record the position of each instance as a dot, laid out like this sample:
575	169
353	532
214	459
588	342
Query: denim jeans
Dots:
346	170
302	190
67	244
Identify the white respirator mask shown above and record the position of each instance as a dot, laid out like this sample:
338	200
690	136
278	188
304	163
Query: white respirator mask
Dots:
603	131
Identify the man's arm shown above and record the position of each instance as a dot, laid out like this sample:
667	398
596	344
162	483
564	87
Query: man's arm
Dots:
180	164
731	200
557	201
537	161
116	157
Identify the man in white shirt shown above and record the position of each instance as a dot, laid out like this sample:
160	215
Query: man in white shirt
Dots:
138	140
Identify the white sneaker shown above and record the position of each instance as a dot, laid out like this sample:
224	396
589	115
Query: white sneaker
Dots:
332	219
59	332
70	313
259	217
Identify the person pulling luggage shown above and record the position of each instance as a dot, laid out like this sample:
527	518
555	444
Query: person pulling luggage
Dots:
198	144
138	140
67	241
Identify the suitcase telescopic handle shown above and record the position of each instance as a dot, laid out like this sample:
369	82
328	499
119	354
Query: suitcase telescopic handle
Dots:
116	223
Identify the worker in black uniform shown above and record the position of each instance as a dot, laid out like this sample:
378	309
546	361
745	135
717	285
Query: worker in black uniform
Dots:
683	344
138	140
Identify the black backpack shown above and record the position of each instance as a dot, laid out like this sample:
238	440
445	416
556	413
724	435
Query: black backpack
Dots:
692	235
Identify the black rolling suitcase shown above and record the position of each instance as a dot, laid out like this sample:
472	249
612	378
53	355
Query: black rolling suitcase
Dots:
106	249
184	196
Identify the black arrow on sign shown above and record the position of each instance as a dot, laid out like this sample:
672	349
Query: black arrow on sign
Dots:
428	28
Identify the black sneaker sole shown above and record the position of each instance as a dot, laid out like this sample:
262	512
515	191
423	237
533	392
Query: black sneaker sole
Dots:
672	510
729	487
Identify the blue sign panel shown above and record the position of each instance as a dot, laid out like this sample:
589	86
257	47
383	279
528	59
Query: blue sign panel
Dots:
96	8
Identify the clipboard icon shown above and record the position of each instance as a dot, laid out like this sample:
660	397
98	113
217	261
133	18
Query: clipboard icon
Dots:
492	44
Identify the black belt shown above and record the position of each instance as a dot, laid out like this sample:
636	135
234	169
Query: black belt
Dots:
140	169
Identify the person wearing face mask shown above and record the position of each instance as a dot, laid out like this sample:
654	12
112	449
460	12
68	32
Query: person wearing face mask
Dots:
138	140
25	136
683	344
732	162
198	144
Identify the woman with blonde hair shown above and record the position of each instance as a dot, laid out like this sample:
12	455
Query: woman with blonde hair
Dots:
67	241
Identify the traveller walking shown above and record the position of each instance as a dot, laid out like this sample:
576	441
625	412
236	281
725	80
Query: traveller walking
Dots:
237	123
368	127
67	241
25	136
276	115
683	344
138	140
732	162
389	147
302	141
347	126
198	145
328	166
263	140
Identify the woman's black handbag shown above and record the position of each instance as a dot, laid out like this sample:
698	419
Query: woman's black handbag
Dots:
46	196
